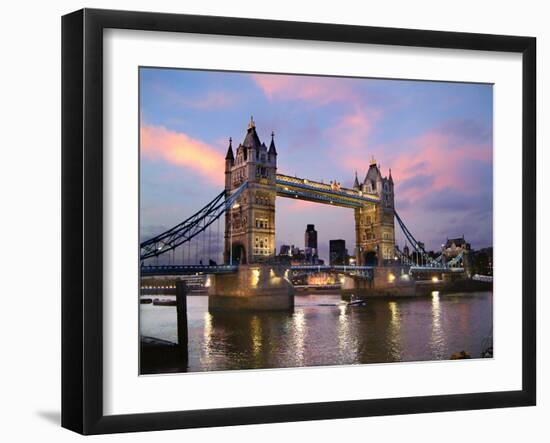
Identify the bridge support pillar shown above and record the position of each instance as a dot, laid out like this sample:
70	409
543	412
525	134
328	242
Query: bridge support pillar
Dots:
252	288
387	281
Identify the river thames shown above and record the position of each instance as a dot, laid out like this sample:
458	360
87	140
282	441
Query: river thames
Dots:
323	330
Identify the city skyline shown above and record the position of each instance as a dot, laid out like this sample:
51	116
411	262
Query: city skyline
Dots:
435	137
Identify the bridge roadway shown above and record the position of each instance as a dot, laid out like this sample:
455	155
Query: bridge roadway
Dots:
163	270
227	269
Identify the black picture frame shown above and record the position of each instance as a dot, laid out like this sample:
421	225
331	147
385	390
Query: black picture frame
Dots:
82	218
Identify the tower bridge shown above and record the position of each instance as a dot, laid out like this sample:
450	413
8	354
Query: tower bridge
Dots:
252	184
250	222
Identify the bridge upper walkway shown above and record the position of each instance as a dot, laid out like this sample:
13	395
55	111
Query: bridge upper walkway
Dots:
310	190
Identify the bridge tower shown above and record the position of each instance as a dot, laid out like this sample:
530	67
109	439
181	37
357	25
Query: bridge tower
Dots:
250	223
374	224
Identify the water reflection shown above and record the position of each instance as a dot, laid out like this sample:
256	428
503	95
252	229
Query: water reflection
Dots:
347	337
394	331
299	331
437	342
207	339
323	331
256	328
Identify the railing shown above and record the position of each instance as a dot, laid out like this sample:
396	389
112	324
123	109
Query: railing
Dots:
321	268
187	269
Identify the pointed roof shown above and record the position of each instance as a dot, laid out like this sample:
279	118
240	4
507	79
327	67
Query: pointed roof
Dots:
229	155
373	174
391	178
251	139
356	182
272	149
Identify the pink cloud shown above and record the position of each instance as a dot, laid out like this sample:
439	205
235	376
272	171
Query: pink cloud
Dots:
177	148
317	90
435	157
444	158
352	131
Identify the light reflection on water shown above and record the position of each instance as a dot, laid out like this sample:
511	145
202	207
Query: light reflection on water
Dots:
394	331
323	331
437	342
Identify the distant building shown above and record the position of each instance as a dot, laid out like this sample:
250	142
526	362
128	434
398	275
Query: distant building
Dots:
406	251
338	252
455	246
291	254
285	250
310	240
482	262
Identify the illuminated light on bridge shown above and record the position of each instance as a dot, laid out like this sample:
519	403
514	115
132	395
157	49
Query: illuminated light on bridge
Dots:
255	277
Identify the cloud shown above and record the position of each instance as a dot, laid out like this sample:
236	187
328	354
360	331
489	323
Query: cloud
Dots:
447	157
449	200
351	132
417	181
468	131
161	144
456	155
212	100
316	90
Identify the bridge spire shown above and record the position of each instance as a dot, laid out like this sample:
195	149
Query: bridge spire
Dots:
229	155
272	150
356	182
251	139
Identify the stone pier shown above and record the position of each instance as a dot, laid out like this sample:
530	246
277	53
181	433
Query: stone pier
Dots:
251	288
386	281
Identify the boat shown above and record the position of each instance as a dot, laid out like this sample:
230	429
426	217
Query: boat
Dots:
164	302
358	303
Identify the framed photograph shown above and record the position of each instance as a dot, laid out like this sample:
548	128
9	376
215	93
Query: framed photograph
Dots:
269	221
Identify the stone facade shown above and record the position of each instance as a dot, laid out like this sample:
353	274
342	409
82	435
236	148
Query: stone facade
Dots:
374	224
250	224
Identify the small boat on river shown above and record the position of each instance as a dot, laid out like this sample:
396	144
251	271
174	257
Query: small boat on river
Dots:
164	302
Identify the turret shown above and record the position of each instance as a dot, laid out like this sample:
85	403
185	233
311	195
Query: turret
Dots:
229	162
272	153
356	184
250	226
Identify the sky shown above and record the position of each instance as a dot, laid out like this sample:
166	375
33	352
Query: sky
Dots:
437	138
